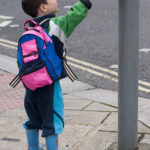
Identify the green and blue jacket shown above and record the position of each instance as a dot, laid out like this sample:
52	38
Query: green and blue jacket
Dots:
51	119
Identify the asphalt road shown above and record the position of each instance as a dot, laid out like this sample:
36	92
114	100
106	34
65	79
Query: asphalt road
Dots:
94	42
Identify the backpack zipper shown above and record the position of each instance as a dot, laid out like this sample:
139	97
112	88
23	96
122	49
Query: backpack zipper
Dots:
31	54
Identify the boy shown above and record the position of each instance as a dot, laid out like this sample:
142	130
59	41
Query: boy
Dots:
44	106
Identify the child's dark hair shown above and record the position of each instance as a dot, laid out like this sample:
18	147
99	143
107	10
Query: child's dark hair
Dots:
31	6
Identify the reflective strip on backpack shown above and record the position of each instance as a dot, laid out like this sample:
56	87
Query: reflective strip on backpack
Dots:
70	73
15	81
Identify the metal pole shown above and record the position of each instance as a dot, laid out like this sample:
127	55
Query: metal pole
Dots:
128	74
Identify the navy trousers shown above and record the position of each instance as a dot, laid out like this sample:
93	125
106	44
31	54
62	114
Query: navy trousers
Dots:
39	108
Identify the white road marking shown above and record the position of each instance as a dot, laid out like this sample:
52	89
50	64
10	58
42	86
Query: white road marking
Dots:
92	66
115	66
6	17
8	46
67	7
14	25
93	72
104	75
102	69
144	83
5	23
9	42
145	50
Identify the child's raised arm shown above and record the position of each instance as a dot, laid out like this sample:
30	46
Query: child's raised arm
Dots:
73	17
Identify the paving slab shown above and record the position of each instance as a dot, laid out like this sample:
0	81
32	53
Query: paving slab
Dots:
71	97
12	134
10	98
111	98
70	87
144	147
111	124
78	123
99	95
72	134
100	141
8	64
144	111
146	139
85	117
140	147
76	104
81	90
100	107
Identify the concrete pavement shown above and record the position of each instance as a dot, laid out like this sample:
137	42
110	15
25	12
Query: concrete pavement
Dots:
91	115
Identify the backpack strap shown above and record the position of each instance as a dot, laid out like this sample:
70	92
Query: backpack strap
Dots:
40	31
68	70
26	22
15	81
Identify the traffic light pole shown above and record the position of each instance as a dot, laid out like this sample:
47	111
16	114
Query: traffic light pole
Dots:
128	74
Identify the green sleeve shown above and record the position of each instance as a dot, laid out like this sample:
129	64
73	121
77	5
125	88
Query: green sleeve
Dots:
73	17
